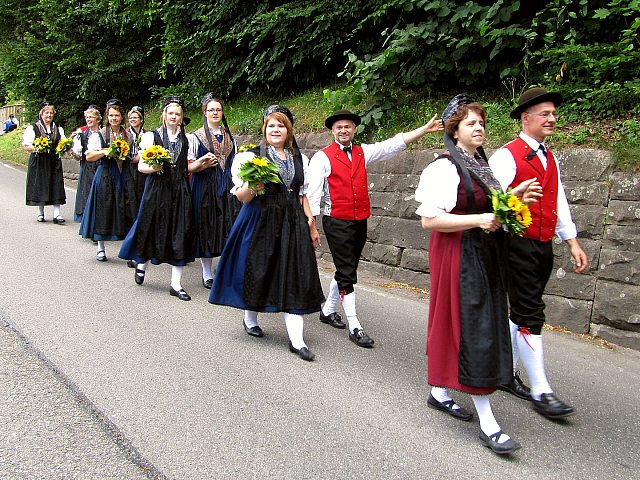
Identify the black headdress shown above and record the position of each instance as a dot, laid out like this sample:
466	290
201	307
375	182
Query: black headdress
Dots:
277	108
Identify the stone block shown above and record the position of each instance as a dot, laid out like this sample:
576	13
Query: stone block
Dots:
423	159
417	260
625	186
589	220
407	208
563	259
584	164
70	166
591	193
411	278
622	212
623	338
571	285
622	237
399	232
617	305
366	252
314	141
391	182
401	163
385	203
385	254
620	266
568	313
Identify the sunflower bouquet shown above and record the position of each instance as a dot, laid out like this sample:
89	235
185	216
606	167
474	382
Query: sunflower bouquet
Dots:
156	156
510	211
41	145
64	145
259	170
246	147
119	149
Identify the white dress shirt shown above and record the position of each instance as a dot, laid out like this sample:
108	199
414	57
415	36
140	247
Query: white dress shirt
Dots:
504	168
320	169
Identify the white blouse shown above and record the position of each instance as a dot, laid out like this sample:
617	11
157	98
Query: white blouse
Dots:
29	135
244	157
437	190
147	140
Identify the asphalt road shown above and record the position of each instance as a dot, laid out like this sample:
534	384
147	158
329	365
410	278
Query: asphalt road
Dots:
102	378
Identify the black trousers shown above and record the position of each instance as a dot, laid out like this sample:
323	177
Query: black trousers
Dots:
346	239
529	266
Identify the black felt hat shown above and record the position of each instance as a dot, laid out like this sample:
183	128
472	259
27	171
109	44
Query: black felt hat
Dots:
342	115
534	96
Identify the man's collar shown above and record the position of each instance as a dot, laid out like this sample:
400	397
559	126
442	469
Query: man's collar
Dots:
532	142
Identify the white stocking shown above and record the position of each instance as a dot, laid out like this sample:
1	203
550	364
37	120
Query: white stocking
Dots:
250	318
488	423
349	307
332	299
206	268
295	328
176	277
532	355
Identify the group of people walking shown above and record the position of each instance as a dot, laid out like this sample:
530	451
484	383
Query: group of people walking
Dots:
485	312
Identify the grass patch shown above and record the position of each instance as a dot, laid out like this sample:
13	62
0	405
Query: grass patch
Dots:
11	149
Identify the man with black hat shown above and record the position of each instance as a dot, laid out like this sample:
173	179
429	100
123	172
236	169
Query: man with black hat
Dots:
338	174
530	258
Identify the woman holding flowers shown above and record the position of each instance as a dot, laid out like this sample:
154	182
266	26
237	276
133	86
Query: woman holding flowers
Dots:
110	208
45	183
268	263
163	231
214	206
468	342
92	117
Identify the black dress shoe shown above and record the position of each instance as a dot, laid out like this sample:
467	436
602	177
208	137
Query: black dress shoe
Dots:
139	276
304	353
131	264
181	294
207	283
334	319
41	218
504	448
253	331
516	387
58	220
360	338
447	407
552	407
101	256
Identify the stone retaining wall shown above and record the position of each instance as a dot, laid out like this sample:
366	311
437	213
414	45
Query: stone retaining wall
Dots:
606	209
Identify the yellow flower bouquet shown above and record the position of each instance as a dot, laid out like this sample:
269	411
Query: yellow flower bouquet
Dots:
510	211
246	147
64	145
119	149
41	145
259	170
155	156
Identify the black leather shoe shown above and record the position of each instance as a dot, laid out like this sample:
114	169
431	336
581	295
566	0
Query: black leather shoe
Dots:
552	407
504	448
181	294
207	283
253	331
101	256
58	220
447	407
131	264
139	276
360	338
304	353
334	319
41	218
516	387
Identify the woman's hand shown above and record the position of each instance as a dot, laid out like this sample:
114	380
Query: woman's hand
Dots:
530	191
488	222
313	232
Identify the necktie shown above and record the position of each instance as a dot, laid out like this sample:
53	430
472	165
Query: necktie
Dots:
347	150
543	150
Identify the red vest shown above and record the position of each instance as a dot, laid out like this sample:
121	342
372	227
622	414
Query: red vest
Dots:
348	187
543	213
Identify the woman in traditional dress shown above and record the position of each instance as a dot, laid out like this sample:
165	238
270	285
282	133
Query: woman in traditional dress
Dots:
268	263
215	207
93	118
164	231
45	183
110	208
468	342
136	129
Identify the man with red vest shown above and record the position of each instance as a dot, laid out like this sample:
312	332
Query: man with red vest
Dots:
338	174
530	258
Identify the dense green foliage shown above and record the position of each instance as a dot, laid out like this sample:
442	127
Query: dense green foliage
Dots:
75	53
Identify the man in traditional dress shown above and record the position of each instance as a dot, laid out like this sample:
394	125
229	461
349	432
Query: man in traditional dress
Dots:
530	258
338	174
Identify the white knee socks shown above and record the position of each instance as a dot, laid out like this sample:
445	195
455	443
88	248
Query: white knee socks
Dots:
100	244
332	299
514	344
295	328
206	268
176	277
250	318
441	394
56	210
349	307
531	353
488	423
